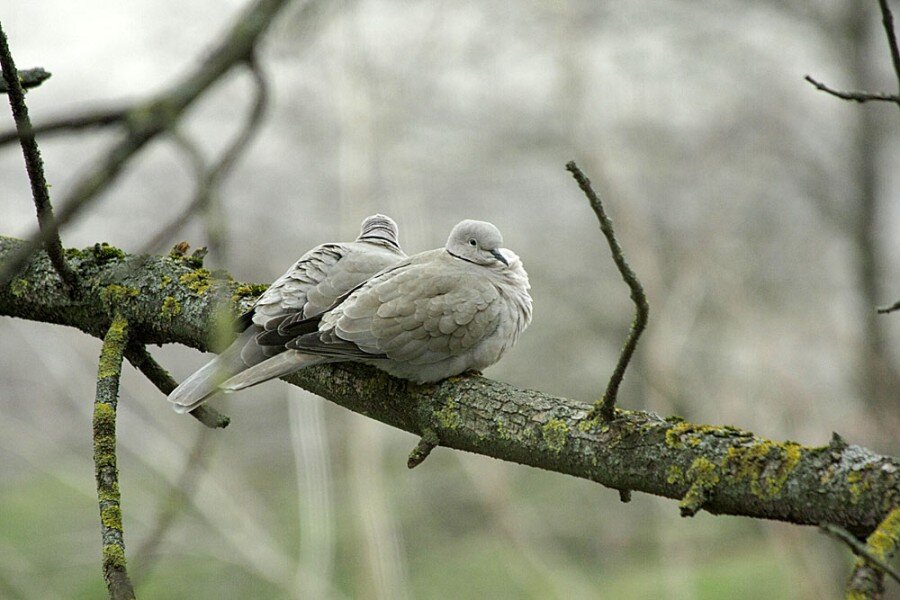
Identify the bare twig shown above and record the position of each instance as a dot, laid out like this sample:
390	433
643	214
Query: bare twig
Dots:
860	550
138	356
34	165
605	407
887	19
148	119
854	96
95	118
106	471
889	309
28	78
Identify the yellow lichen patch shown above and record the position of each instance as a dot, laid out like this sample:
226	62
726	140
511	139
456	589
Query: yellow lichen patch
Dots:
555	433
19	287
248	290
111	517
116	294
198	281
113	349
674	475
859	484
171	308
113	556
766	465
885	540
502	429
448	416
703	471
165	282
684	433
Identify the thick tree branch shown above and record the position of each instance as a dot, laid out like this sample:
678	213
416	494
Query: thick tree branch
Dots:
168	300
607	404
150	118
34	165
28	78
106	471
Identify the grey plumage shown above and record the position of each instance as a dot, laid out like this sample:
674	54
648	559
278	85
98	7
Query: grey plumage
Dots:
431	316
308	288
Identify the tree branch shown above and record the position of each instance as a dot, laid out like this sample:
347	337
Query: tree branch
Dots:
34	165
860	97
106	471
148	119
607	405
887	19
28	78
169	301
889	309
867	579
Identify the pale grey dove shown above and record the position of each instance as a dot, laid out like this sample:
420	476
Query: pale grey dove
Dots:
431	316
310	286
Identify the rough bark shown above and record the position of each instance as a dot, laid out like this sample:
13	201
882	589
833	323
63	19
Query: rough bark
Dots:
721	469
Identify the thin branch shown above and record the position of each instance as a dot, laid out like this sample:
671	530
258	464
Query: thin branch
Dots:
148	119
606	406
887	19
889	309
34	165
141	359
854	96
28	78
867	579
95	118
860	550
106	471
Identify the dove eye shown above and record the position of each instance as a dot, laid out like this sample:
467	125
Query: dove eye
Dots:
472	242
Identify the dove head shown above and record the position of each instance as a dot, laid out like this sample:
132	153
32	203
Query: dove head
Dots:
379	229
477	242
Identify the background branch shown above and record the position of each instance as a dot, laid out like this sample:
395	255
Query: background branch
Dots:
148	119
34	165
607	404
860	97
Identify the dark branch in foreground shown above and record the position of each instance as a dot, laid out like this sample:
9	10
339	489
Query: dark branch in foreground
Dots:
861	550
28	78
889	309
96	118
607	404
887	19
168	300
854	96
148	119
34	165
106	471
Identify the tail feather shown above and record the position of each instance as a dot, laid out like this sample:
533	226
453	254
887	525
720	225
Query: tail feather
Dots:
277	366
202	384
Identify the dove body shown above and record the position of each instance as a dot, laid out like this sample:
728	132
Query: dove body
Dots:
429	317
312	285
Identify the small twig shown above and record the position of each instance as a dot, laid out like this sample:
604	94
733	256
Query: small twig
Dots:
625	496
427	443
606	406
854	96
96	118
28	78
106	471
889	309
148	119
138	356
887	19
861	550
34	165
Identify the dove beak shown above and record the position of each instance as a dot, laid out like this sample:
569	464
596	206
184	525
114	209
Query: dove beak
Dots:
499	256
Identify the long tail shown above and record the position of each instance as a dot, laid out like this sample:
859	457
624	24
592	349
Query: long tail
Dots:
198	387
280	364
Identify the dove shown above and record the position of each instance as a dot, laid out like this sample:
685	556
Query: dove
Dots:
426	318
308	288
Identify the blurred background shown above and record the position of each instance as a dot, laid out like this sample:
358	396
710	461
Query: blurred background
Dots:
761	215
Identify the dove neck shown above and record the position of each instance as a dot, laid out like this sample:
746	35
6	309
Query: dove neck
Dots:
377	239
